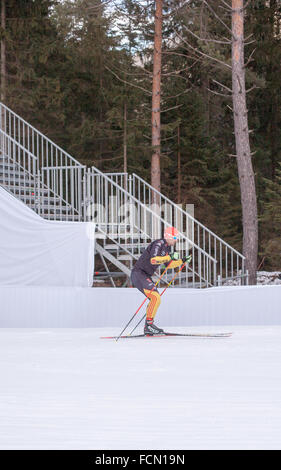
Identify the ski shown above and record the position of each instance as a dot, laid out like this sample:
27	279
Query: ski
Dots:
167	334
204	335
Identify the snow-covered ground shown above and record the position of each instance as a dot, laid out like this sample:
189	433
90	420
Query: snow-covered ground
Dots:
68	389
263	278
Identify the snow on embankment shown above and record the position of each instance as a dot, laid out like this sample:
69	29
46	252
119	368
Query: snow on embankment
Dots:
263	278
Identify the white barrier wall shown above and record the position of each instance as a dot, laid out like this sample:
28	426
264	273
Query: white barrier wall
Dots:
75	307
39	252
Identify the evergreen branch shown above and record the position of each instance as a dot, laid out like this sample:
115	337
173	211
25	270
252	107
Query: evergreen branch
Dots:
134	73
175	10
245	6
129	16
225	9
111	159
99	6
250	42
179	94
206	40
224	86
228	7
261	263
252	88
219	94
219	19
248	37
128	83
169	109
191	56
175	72
250	58
178	53
203	54
165	139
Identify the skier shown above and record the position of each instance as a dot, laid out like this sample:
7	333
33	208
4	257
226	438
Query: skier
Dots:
157	253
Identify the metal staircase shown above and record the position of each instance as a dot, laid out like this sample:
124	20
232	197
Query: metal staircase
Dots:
128	212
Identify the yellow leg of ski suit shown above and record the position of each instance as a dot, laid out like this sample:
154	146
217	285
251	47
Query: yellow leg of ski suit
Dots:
154	296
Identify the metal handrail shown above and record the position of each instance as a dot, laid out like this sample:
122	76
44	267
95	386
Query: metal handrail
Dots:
15	142
229	259
130	196
2	105
19	165
63	182
65	167
143	224
187	214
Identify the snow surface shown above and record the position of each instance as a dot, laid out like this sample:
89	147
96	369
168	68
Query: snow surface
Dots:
68	389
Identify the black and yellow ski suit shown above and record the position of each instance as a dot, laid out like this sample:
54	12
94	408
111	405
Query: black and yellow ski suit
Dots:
157	253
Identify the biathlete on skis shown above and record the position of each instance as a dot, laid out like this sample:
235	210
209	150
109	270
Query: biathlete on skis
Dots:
157	253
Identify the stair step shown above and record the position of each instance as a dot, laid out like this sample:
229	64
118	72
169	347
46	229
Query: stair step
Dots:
5	158
11	178
46	209
61	217
116	236
65	209
127	257
127	236
24	190
100	236
12	171
30	192
43	200
8	166
114	246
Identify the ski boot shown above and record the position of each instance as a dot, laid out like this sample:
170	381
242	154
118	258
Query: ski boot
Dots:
150	329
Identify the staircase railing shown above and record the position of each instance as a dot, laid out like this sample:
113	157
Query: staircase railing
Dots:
231	263
120	178
66	182
131	224
46	151
49	165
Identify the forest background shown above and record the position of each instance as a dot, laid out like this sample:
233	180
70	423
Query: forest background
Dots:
81	72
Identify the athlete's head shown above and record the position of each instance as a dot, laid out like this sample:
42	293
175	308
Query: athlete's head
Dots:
171	235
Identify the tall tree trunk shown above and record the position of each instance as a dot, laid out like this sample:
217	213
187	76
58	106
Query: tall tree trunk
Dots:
243	152
156	97
3	51
125	161
179	168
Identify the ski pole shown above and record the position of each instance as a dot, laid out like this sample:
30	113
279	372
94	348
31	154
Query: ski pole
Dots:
182	266
144	301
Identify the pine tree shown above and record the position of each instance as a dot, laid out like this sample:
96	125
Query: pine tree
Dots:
32	52
270	251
